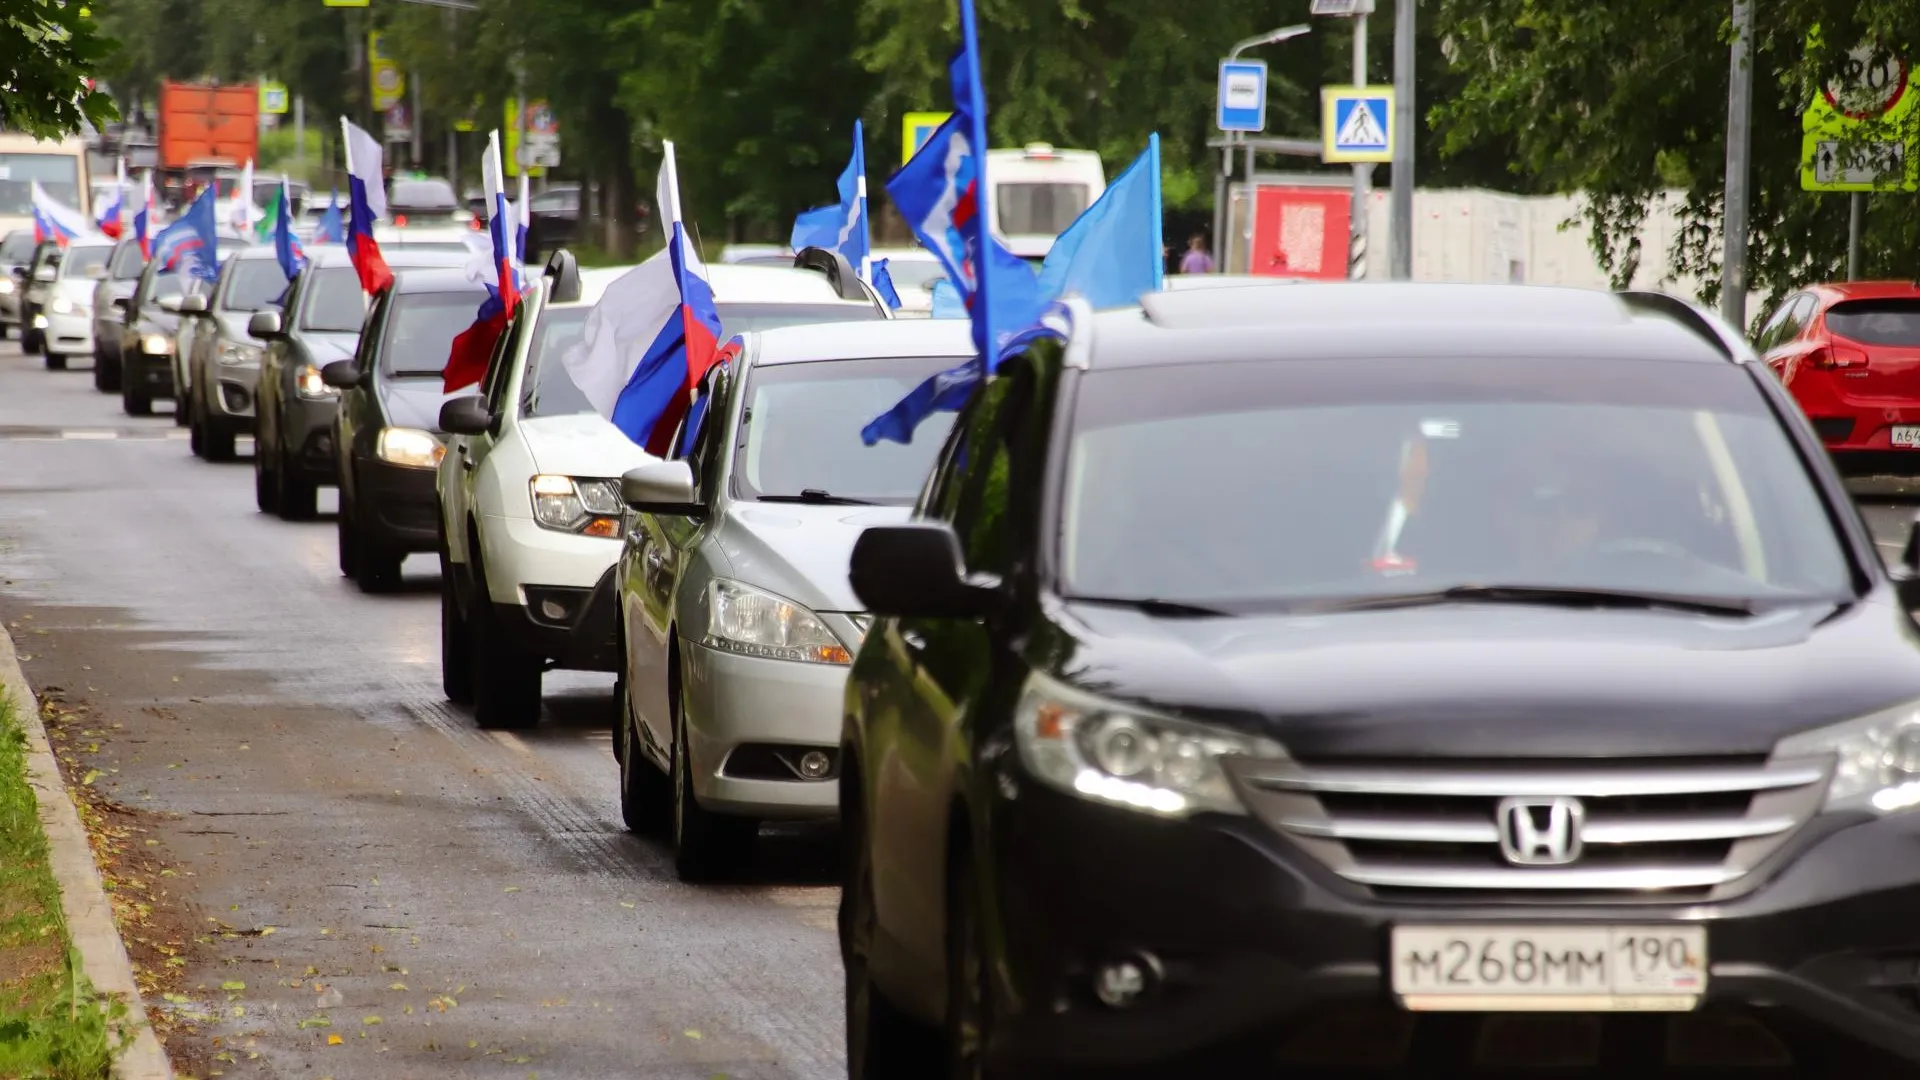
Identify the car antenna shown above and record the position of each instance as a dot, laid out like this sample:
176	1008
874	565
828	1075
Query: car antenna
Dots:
697	245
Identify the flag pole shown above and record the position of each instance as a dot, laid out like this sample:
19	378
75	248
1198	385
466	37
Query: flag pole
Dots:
1159	224
977	115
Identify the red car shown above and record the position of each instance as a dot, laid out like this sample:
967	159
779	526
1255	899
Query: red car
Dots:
1850	355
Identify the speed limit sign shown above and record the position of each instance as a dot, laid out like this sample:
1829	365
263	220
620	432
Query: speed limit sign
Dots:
1870	83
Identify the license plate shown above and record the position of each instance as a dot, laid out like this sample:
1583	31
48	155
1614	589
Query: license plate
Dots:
1549	968
1907	436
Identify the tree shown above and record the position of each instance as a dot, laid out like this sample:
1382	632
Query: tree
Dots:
51	48
1625	100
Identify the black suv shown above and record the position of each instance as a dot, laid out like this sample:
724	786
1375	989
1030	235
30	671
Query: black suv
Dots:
1281	673
387	428
110	300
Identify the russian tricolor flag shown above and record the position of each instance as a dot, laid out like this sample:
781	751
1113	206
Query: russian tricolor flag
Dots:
55	220
467	362
112	217
653	335
366	204
143	217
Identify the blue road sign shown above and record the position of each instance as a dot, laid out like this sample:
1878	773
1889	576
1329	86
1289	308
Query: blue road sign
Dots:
1243	95
1356	123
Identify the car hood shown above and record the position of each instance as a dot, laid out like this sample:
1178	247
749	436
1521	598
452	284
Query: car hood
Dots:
415	403
1500	680
159	321
78	290
584	444
233	326
324	348
801	552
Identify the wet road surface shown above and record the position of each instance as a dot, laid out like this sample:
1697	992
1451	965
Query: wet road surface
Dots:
361	884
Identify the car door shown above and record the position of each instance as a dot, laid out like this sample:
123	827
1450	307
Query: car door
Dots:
659	551
275	355
473	451
937	668
357	408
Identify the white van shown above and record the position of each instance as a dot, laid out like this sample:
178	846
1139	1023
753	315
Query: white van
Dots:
1037	192
59	164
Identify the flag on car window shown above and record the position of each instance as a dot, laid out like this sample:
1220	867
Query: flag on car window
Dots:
190	245
332	229
652	336
286	247
144	218
473	347
842	227
366	204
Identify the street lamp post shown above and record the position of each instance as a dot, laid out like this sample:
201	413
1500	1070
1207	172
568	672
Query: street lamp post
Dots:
1733	227
1223	229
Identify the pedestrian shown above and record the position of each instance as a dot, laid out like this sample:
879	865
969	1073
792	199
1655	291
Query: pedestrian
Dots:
1196	260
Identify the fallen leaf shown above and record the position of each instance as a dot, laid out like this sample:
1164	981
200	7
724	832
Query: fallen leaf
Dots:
397	986
265	930
90	777
334	1039
239	1010
314	1022
513	888
177	999
626	903
521	1060
693	1033
370	1021
233	984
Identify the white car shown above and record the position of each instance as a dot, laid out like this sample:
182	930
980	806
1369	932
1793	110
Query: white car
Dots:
914	272
69	309
531	517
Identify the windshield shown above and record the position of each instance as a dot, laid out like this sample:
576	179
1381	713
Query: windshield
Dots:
256	284
59	175
419	334
801	431
746	318
422	195
1877	322
1038	209
18	247
1319	480
127	262
164	285
86	262
915	273
334	301
554	393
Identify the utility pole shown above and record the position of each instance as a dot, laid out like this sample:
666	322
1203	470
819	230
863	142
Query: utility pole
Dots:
419	124
1362	171
1856	228
300	134
1733	258
1400	248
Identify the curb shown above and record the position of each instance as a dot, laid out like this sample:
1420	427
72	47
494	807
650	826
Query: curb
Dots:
83	900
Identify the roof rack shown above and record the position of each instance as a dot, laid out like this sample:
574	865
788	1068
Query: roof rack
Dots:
1688	315
564	269
839	271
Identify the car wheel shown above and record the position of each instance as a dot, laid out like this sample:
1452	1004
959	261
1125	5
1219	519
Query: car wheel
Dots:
106	375
347	543
882	1041
56	362
299	496
216	443
134	399
506	679
197	438
456	645
643	788
266	495
183	411
706	846
376	566
969	1011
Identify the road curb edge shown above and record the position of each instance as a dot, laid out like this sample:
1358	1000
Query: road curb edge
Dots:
83	898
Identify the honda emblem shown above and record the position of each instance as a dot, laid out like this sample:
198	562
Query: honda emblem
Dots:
1540	832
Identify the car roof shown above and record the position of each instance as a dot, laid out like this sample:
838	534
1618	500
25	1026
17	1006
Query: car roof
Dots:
257	251
1182	282
92	242
1356	320
734	284
436	279
873	338
593	285
329	255
1837	291
904	254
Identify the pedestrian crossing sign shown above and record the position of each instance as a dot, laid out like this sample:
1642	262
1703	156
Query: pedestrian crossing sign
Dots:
1356	123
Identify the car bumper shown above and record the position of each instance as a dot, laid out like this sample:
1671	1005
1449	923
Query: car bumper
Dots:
69	335
574	628
519	553
10	308
748	721
1860	440
397	506
152	373
1255	942
306	437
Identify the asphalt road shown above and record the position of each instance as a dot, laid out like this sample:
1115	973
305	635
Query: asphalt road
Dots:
453	903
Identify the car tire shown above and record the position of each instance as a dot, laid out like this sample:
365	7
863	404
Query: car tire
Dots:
645	797
299	496
56	362
706	846
106	375
345	540
183	411
456	645
265	495
376	567
216	444
969	1002
882	1041
506	679
134	399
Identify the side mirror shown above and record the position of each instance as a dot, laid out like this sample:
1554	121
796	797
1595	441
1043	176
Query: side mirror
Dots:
916	570
45	273
264	325
120	303
341	375
564	269
465	415
1906	577
193	305
661	487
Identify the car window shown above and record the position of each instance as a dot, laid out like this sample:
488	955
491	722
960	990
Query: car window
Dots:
500	363
418	335
1039	208
86	262
18	247
1877	322
253	285
976	504
336	305
800	430
548	389
422	194
127	262
1612	475
1776	329
745	318
915	273
709	419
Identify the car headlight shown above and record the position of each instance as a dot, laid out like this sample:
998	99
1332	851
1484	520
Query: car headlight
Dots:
409	446
6	286
308	382
1124	756
1877	759
156	345
61	306
743	619
590	507
239	354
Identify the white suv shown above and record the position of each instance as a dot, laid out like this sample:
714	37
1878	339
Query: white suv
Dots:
531	519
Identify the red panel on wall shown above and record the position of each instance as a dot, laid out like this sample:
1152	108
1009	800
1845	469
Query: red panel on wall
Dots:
1301	232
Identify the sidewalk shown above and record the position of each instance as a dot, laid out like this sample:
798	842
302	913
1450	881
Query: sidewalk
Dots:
58	944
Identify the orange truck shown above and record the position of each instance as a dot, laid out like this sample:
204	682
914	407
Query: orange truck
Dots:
203	125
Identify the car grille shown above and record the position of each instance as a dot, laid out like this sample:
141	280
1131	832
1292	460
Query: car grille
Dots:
1656	831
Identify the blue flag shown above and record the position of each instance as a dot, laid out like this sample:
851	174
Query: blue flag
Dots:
844	227
1111	254
883	284
333	227
189	245
286	248
939	193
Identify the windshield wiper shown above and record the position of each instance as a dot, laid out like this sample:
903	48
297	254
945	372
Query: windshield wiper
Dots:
1173	609
1546	596
817	497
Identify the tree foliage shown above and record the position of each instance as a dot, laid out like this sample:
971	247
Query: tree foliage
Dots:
50	47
